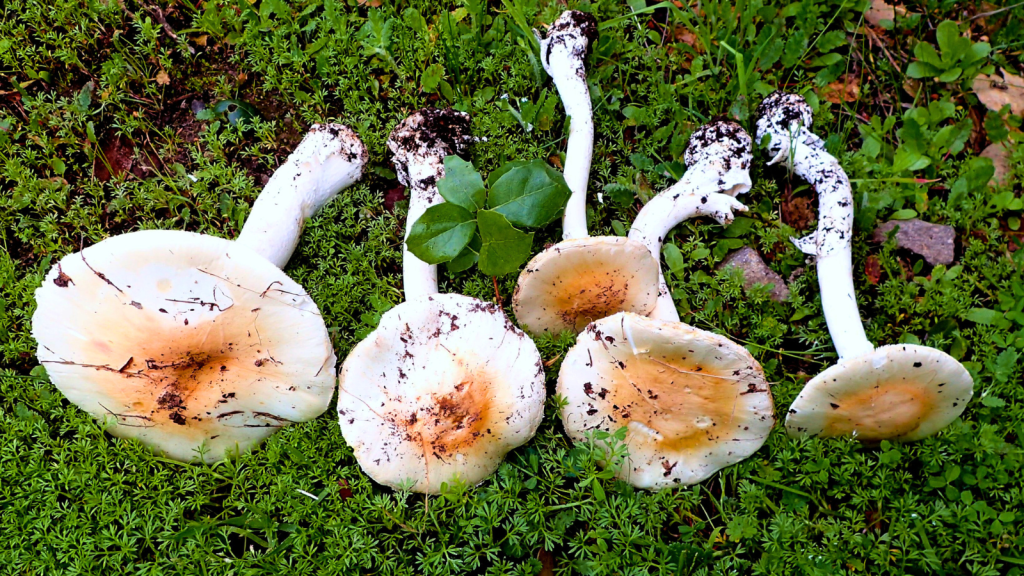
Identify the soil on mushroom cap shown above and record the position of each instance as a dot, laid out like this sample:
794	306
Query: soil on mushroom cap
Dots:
437	126
723	133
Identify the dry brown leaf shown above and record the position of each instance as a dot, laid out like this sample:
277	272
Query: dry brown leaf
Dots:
846	89
683	34
995	92
162	78
370	3
873	269
201	40
1000	157
881	10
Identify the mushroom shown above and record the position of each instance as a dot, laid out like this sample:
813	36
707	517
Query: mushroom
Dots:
897	392
693	402
582	278
446	385
718	168
191	343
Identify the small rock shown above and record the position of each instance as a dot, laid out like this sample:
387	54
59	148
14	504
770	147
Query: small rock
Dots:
933	241
755	271
1000	157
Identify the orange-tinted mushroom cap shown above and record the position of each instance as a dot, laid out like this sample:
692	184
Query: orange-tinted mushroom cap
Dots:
182	341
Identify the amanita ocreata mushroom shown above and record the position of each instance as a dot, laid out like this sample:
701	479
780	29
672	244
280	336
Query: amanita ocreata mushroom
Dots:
192	343
582	278
718	168
446	385
693	402
896	392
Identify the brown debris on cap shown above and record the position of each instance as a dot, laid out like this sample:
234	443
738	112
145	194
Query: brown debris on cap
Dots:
693	402
934	242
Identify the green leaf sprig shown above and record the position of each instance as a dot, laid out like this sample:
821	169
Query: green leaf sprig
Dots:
478	222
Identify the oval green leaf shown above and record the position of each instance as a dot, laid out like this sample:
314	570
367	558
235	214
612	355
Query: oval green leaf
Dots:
504	248
462	184
530	194
440	234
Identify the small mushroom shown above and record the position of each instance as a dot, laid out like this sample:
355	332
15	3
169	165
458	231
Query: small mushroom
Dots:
693	402
189	342
582	278
446	385
897	392
718	168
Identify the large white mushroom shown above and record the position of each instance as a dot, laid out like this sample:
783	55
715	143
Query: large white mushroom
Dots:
896	392
192	343
446	385
693	402
582	278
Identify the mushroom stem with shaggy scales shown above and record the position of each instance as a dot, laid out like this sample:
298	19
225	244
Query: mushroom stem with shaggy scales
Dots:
562	54
192	343
310	178
718	168
446	384
419	144
899	392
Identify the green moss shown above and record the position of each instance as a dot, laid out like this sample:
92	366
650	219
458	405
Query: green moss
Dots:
80	100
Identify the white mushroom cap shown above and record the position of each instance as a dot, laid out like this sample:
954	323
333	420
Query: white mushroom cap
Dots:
580	280
693	402
443	388
898	392
180	340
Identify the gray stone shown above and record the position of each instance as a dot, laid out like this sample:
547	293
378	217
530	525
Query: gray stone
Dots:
755	271
933	241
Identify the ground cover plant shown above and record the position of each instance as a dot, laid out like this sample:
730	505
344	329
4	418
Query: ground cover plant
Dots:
123	115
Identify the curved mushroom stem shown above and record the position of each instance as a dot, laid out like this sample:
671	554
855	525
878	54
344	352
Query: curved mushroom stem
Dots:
562	54
718	159
329	159
787	118
419	144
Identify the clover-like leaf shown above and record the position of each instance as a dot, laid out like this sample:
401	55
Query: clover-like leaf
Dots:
503	248
529	194
440	234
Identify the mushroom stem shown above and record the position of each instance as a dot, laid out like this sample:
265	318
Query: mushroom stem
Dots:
562	54
419	144
718	159
418	277
329	159
787	119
